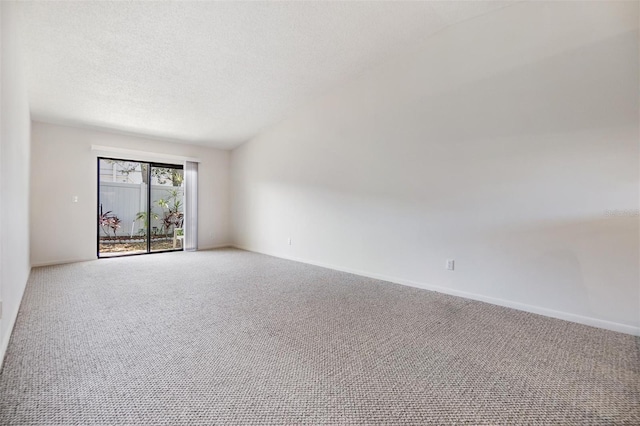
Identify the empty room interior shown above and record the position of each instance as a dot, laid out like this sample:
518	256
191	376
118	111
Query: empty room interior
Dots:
320	212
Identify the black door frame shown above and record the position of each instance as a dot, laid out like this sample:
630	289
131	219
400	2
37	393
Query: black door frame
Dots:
148	224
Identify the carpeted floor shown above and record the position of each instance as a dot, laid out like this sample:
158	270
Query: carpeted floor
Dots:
232	337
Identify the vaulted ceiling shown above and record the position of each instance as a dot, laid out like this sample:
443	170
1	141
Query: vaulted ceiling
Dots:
212	73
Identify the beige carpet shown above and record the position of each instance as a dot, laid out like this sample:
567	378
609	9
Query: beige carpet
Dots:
231	337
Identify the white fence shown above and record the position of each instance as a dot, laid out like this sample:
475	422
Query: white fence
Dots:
126	200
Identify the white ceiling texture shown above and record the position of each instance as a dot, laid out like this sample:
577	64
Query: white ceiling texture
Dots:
210	73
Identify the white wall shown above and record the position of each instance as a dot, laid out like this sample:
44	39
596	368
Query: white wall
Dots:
63	165
501	143
14	177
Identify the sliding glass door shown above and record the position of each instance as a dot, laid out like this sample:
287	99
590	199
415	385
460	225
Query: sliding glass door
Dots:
140	207
167	207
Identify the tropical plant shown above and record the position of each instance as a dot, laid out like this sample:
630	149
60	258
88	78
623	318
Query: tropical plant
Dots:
114	224
107	220
142	216
165	174
171	208
103	221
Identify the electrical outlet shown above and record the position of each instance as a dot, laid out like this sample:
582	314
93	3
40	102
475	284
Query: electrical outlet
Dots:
450	264
289	241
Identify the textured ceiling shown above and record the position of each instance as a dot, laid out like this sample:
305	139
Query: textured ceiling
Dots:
209	73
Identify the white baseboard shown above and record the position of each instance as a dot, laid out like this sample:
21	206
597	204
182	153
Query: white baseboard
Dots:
61	262
12	317
228	245
7	337
64	261
567	316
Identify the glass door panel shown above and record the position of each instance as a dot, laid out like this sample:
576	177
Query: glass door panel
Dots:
167	207
122	196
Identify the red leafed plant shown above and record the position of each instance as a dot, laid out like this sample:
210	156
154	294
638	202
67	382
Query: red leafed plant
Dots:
107	221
